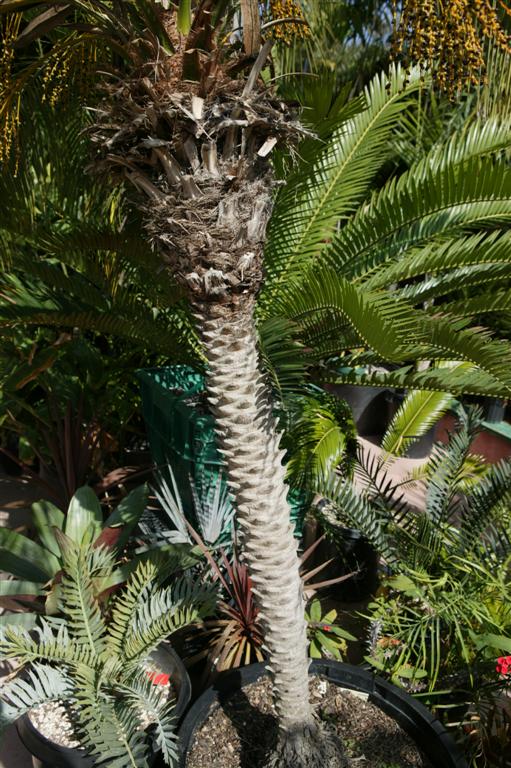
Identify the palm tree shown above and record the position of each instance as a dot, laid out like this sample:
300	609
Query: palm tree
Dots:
194	140
199	152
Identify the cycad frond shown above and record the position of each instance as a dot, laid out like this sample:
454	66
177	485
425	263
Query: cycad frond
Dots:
85	623
43	644
412	210
164	612
446	465
115	736
42	683
323	298
441	255
143	695
460	279
464	378
308	210
125	606
318	440
346	506
482	510
416	415
496	301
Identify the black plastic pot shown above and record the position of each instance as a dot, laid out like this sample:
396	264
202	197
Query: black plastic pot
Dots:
426	731
51	755
351	552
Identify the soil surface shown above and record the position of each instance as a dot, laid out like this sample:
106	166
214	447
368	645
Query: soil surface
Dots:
242	730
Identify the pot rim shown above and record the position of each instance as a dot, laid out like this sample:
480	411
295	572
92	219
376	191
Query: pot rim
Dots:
420	724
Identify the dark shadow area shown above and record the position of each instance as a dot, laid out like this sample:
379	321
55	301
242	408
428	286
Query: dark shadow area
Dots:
257	732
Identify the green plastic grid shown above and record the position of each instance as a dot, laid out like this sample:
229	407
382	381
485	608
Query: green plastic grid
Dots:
181	432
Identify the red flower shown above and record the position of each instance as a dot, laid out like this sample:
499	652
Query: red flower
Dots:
326	627
503	665
158	678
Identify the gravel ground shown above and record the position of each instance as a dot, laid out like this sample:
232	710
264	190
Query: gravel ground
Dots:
239	733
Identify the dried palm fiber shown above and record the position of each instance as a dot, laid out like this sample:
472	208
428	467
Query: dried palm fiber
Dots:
199	152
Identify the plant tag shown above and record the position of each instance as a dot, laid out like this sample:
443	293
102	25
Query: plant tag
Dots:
267	147
359	694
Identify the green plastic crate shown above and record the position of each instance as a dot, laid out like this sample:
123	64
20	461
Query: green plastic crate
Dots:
181	431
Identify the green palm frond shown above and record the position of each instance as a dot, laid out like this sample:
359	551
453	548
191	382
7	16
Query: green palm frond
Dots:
318	440
439	256
498	302
285	359
325	299
456	280
416	415
316	198
411	210
465	378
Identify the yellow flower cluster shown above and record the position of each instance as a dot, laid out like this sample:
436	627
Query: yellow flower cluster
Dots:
447	36
69	71
293	24
9	97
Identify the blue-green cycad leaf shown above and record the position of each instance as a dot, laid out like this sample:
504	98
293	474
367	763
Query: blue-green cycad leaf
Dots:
125	606
350	508
483	508
115	736
42	683
446	466
85	622
142	695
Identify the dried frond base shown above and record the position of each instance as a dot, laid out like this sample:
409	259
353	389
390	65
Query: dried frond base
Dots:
309	748
202	166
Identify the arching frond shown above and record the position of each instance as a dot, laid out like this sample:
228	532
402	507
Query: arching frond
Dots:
43	683
416	415
410	210
316	198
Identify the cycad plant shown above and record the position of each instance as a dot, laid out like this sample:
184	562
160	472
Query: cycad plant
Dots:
35	564
99	662
186	119
447	586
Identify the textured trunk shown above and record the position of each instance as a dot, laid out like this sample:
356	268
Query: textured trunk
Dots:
249	439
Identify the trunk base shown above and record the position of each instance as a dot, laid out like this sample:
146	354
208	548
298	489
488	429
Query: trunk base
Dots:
311	747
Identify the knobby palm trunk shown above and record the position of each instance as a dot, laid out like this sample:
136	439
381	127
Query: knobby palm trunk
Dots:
249	440
203	162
